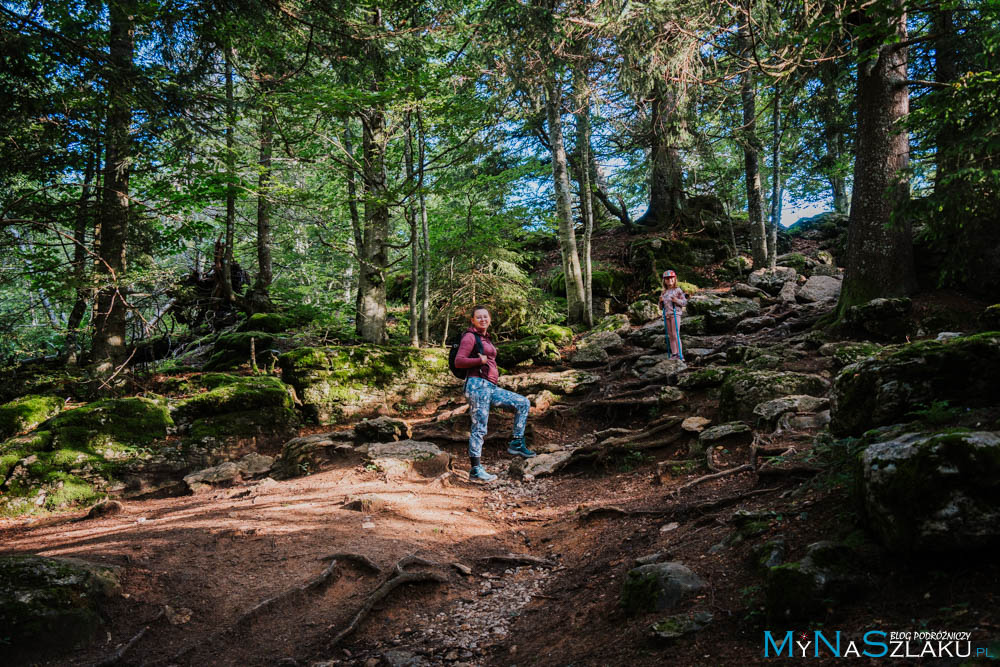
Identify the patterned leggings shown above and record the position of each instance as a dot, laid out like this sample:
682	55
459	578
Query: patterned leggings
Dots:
483	394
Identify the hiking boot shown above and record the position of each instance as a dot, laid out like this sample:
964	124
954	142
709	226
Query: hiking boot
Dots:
479	474
516	447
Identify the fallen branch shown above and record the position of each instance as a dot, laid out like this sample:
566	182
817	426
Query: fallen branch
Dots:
611	510
517	559
705	478
399	578
116	657
621	402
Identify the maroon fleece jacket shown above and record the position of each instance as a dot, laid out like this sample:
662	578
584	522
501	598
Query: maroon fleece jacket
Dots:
467	358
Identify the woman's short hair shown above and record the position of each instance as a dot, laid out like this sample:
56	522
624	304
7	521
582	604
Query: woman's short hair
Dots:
478	307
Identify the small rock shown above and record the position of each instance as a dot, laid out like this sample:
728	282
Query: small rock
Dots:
674	627
382	429
658	586
105	508
177	616
695	424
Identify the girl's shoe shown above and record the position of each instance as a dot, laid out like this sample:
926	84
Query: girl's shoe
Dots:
479	474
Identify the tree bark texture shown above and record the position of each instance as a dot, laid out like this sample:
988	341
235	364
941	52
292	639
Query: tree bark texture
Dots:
567	231
411	218
776	188
425	240
879	250
374	255
110	310
751	159
582	105
260	299
227	258
84	218
666	185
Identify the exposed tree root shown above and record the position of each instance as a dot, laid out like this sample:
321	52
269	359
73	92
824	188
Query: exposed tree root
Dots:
398	578
795	470
746	467
356	558
517	559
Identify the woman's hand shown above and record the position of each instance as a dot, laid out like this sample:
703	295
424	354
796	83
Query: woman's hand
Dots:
482	359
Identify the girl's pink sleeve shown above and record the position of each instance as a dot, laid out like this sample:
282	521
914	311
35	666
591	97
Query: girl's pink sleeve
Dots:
464	358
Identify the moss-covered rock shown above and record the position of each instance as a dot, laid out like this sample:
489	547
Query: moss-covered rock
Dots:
742	391
989	319
62	382
568	383
77	456
618	323
49	605
235	408
657	587
233	349
880	319
806	589
559	335
270	322
933	492
797	261
650	257
536	349
721	313
699	378
334	383
24	414
886	388
849	352
643	311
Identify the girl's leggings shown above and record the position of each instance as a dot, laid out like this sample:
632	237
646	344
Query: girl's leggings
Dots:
672	331
482	394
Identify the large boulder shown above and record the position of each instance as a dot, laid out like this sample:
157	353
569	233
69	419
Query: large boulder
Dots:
819	288
397	459
51	605
606	340
658	587
335	383
382	429
535	349
659	368
566	383
79	455
235	407
587	356
772	280
743	391
643	311
26	413
618	324
885	389
311	453
229	472
989	319
880	319
769	411
722	313
803	590
933	492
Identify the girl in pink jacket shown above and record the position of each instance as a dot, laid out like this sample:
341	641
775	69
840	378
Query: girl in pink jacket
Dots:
672	302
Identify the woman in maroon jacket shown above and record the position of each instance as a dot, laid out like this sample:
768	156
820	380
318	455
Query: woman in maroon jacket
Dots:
482	392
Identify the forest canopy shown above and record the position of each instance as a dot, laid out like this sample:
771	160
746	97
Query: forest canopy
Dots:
374	168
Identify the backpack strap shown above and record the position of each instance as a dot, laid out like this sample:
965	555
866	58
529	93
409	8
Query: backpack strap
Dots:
477	349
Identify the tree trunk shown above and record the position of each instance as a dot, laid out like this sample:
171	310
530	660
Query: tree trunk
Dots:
831	112
411	217
776	189
352	205
567	231
260	298
751	159
425	293
109	335
582	91
374	249
84	294
879	249
666	185
227	258
945	71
